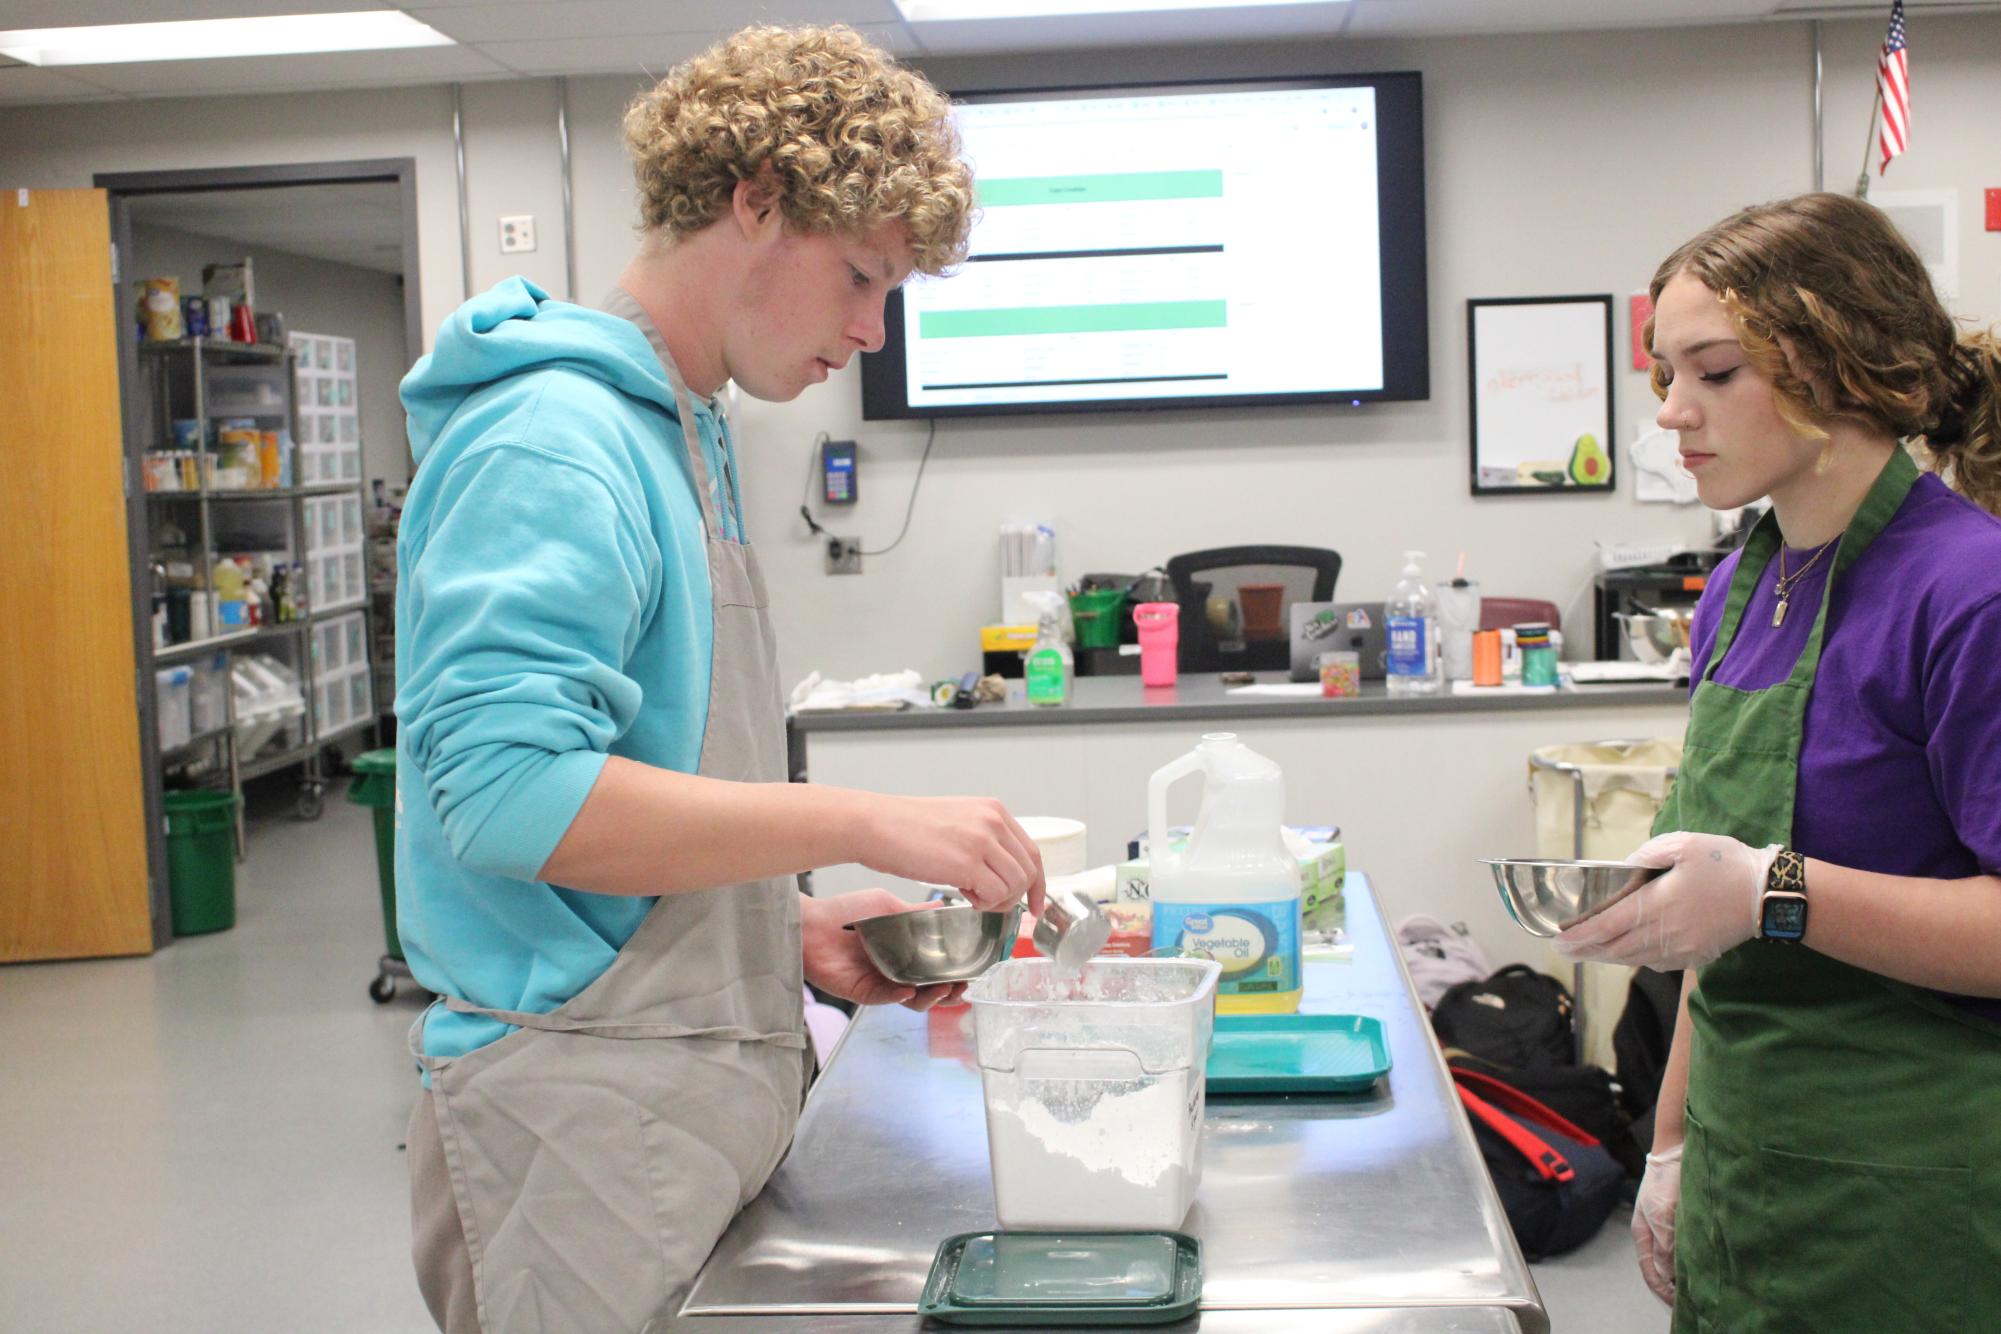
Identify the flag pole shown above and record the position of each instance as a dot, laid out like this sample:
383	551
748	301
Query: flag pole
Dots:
1875	110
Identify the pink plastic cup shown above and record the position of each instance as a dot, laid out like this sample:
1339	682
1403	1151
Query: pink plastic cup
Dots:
1159	637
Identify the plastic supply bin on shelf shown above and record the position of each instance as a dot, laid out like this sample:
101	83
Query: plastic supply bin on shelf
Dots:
173	694
1596	801
201	860
268	699
210	691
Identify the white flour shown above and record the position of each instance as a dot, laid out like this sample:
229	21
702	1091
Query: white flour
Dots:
1091	1153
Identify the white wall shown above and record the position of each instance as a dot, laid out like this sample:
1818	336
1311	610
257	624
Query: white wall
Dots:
51	147
514	166
1556	164
314	296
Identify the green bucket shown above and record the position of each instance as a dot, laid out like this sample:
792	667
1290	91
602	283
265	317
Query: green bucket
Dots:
1097	616
375	786
201	860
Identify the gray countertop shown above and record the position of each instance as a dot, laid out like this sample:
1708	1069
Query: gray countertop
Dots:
1374	1206
1122	699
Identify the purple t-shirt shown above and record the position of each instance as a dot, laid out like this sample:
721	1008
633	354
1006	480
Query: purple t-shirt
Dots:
1900	764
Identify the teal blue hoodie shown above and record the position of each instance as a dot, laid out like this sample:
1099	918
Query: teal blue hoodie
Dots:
552	609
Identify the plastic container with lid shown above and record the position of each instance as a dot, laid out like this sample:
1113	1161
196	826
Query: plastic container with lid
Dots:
1064	1279
1094	1083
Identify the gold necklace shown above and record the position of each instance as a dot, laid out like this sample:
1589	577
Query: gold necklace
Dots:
1785	583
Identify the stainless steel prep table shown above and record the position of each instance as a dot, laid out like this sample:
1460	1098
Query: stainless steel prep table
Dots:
1378	1206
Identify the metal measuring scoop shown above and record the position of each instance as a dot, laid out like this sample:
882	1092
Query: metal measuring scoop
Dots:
1070	929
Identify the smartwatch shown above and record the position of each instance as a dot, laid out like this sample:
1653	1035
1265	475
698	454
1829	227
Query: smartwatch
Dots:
1782	906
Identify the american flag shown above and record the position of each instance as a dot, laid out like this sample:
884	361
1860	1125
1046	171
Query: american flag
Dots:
1893	82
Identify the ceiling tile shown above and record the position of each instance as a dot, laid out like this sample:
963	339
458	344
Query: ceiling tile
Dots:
519	20
350	223
649	54
90	13
21	84
1163	28
652	54
348	69
1428	18
588	19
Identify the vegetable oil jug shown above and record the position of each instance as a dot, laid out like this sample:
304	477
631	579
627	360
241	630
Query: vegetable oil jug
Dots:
1233	893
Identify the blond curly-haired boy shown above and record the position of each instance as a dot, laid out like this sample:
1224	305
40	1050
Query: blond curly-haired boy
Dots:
597	849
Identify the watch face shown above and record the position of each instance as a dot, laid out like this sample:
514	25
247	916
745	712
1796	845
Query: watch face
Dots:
1785	917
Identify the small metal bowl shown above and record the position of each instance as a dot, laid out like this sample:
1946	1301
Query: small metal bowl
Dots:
1656	635
929	946
1545	897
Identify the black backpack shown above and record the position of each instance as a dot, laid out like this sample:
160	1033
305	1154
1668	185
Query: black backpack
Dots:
1583	1095
1640	1043
1517	1027
1518	1018
1556	1182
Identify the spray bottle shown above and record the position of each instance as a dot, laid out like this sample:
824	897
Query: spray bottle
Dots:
1049	663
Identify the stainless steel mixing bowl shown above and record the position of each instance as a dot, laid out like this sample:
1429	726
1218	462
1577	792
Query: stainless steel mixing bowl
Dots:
928	946
1655	635
1544	897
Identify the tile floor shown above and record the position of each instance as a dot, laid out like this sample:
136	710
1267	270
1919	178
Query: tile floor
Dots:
209	1139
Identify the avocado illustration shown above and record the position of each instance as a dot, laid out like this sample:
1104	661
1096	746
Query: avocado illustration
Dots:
1588	464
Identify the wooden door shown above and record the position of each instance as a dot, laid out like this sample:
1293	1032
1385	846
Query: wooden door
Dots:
73	864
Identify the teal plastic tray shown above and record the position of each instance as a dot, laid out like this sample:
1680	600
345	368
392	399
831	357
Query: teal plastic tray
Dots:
1297	1053
1066	1279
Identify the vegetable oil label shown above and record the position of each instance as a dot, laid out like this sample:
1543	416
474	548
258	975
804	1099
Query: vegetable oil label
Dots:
1407	649
1257	943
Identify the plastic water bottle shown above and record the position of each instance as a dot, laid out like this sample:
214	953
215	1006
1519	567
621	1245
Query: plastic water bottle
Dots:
1410	618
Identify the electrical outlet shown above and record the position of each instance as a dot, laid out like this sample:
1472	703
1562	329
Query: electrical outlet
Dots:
517	234
844	555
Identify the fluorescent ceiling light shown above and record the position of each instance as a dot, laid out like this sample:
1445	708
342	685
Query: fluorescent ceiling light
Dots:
213	39
941	11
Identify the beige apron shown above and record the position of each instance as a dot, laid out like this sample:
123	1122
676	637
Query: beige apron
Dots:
597	1152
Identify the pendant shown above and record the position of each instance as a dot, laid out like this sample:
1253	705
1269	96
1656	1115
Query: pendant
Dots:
1779	614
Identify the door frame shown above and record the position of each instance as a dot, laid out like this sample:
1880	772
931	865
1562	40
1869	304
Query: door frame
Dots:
121	187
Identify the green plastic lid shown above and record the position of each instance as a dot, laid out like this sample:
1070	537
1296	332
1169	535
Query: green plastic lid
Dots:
376	761
1064	1278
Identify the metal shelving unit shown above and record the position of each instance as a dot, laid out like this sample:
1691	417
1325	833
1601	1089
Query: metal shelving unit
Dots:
213	753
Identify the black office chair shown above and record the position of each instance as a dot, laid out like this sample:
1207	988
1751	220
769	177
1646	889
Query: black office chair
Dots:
1236	603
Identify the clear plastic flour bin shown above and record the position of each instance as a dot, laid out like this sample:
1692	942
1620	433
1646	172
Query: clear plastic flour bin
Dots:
1094	1089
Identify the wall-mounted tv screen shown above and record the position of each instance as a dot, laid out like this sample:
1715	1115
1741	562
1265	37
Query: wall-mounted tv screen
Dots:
1185	245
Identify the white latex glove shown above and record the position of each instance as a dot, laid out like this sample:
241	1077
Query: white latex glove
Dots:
1653	1221
1706	904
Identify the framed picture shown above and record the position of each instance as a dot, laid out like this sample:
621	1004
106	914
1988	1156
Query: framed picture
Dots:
1540	373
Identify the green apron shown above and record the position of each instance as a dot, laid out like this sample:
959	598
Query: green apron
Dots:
1843	1160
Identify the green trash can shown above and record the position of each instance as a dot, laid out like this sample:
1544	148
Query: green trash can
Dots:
375	786
201	860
